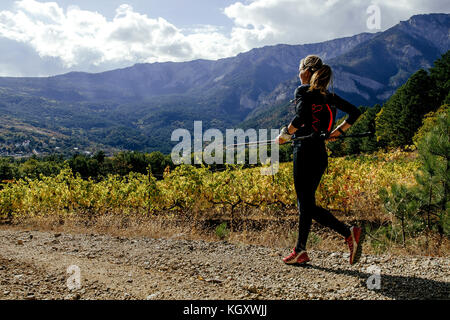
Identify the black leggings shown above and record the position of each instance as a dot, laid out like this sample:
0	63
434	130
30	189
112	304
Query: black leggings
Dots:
310	163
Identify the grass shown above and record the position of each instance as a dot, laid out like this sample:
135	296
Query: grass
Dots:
281	233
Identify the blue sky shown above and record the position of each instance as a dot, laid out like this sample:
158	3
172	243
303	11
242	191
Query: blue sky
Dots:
41	38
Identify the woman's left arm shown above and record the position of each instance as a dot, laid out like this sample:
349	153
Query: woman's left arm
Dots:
353	115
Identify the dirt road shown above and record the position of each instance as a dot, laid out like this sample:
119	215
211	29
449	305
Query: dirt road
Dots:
34	265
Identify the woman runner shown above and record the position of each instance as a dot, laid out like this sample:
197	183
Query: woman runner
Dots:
315	114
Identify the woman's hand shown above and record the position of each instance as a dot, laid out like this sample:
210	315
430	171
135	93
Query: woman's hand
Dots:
338	131
333	136
280	140
284	136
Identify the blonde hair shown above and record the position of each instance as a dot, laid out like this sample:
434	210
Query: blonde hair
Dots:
321	73
321	79
311	63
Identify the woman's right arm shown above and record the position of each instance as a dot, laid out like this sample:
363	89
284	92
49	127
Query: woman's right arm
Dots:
300	117
300	110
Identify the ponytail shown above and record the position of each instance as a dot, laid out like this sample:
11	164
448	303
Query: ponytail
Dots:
321	73
320	79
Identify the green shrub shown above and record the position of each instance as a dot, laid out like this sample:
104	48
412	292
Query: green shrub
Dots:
222	231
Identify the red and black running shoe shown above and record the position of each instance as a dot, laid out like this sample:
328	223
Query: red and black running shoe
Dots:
296	257
354	242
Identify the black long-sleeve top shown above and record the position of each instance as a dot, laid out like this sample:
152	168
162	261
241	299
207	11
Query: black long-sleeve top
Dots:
307	101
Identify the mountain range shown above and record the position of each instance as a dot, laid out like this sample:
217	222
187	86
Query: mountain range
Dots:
137	108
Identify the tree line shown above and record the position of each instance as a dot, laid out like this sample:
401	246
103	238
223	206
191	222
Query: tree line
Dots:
98	166
396	122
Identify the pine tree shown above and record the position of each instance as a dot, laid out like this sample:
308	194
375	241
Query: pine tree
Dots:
429	199
402	114
352	145
402	203
429	121
365	123
433	179
440	77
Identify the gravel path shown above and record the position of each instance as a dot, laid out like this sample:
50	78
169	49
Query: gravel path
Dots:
33	265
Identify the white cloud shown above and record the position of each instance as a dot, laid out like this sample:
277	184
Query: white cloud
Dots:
78	37
83	39
262	22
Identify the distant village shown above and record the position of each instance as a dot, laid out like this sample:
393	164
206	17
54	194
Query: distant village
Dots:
23	150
